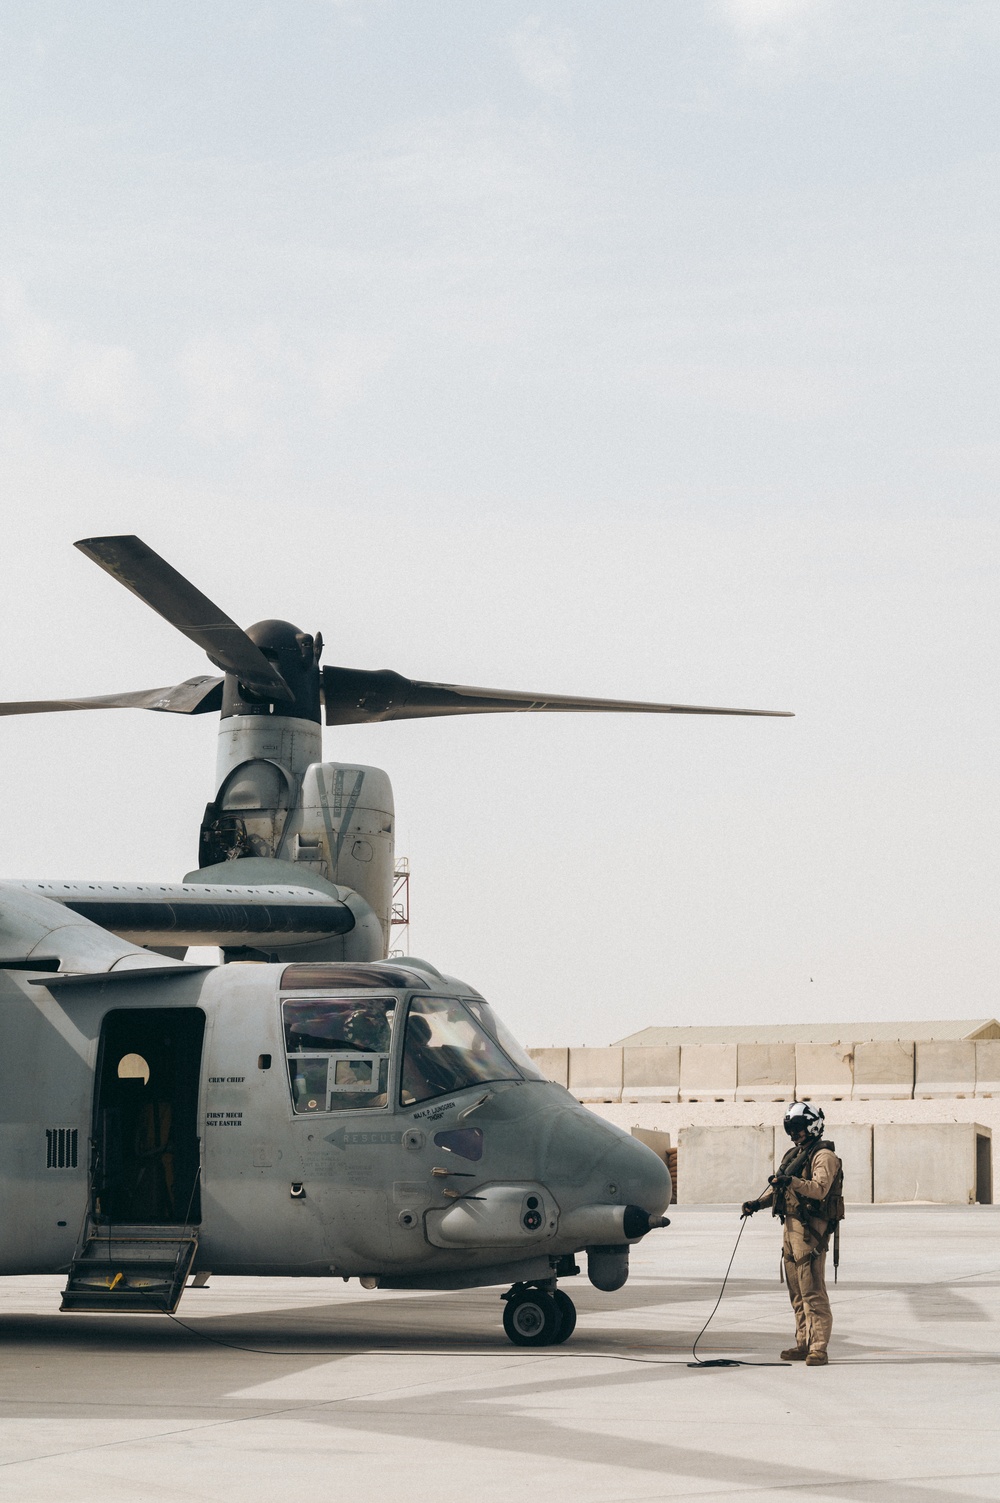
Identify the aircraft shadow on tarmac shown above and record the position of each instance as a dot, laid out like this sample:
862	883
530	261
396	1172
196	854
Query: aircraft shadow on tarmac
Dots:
461	1322
500	1418
486	1417
928	1301
495	1418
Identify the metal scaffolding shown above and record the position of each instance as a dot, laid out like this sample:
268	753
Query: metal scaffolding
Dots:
400	907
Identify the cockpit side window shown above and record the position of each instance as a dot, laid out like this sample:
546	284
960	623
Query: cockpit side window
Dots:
338	1052
514	1051
446	1050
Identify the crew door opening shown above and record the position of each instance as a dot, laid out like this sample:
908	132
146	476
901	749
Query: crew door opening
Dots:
146	1150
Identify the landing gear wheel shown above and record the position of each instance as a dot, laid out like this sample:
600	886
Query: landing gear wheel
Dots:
567	1315
531	1317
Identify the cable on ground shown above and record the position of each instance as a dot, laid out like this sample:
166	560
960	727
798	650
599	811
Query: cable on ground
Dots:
725	1361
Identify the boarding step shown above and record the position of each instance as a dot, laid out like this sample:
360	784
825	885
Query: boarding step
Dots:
137	1268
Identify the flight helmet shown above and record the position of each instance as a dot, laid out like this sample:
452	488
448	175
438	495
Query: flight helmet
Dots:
802	1115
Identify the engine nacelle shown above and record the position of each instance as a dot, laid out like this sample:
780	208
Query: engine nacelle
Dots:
276	801
343	828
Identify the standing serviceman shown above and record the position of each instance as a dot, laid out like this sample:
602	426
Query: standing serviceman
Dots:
806	1195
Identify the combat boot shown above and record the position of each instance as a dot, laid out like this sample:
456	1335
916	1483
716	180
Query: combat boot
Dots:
795	1354
817	1359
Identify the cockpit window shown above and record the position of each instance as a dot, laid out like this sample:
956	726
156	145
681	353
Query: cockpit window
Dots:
447	1050
508	1043
338	1052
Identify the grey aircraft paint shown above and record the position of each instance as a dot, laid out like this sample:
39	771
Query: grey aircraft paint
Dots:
307	1107
499	1180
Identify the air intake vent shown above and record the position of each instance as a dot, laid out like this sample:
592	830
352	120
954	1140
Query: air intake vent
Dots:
61	1147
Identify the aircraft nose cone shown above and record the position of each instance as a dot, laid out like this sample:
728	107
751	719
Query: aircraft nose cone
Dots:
641	1177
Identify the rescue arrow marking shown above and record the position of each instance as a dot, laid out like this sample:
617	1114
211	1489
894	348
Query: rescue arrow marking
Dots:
343	1139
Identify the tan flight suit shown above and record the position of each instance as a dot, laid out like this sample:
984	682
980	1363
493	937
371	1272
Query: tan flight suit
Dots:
803	1253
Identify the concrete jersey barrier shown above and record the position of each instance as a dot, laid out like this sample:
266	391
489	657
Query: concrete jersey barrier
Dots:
988	1067
596	1074
720	1165
824	1072
853	1142
946	1163
883	1071
944	1068
651	1074
765	1072
708	1072
553	1063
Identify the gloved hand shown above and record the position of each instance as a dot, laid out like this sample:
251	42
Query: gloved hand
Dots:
780	1181
749	1206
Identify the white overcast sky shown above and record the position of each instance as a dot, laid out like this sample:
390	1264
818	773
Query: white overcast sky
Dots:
643	348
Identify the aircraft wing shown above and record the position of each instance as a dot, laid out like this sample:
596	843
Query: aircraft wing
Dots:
177	914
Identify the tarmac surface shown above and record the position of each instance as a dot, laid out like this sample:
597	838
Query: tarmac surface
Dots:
348	1394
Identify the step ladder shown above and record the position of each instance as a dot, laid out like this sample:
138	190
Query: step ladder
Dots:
134	1268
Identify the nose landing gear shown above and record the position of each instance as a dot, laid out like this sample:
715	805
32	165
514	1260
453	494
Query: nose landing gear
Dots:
538	1315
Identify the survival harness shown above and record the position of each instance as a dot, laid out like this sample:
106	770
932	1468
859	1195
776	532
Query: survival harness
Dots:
797	1163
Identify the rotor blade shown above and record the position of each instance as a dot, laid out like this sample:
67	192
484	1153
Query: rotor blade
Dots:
196	696
354	696
129	560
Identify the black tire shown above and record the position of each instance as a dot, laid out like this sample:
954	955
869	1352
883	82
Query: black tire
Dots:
532	1318
567	1315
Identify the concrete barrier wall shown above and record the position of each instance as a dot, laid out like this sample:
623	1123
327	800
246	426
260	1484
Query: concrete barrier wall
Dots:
553	1063
854	1149
944	1068
720	1165
883	1071
596	1074
988	1067
890	1070
824	1072
708	1073
926	1162
651	1074
658	1141
765	1072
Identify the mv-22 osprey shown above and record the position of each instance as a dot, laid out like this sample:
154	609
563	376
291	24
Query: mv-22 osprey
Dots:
308	1106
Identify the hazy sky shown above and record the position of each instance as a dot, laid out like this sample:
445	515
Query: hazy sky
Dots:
644	348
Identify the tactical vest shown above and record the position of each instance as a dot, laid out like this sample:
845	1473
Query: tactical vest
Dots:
798	1162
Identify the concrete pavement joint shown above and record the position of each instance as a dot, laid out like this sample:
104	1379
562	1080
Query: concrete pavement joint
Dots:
454	1420
110	1445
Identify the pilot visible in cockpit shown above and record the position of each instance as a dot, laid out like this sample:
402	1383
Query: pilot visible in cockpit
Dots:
420	1078
367	1027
